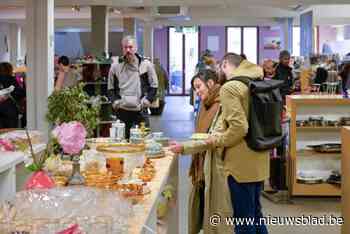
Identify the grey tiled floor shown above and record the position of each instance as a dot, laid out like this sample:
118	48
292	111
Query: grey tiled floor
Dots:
177	123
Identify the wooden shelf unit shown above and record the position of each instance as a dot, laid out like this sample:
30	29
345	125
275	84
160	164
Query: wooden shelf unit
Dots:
345	206
310	153
299	105
319	128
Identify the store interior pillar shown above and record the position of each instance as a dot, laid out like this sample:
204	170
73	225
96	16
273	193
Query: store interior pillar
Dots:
148	40
99	28
307	33
40	59
286	27
14	39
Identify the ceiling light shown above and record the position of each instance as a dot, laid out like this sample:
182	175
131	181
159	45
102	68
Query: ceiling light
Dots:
115	11
75	8
297	7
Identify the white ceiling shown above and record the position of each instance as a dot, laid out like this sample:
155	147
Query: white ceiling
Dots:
209	12
272	3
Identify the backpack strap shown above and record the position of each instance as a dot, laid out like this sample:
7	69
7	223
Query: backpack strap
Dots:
244	79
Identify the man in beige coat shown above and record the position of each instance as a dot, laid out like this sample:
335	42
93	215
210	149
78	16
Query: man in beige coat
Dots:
245	169
237	168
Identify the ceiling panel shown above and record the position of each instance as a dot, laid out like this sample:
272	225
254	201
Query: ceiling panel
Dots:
273	3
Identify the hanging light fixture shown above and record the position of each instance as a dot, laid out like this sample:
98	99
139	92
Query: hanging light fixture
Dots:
76	8
115	11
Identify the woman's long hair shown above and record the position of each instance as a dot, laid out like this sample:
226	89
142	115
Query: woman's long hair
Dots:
205	76
6	69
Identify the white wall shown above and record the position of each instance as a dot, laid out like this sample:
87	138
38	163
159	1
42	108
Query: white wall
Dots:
4	42
23	51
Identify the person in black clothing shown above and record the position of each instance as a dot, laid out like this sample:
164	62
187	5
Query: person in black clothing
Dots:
321	75
284	72
345	77
9	103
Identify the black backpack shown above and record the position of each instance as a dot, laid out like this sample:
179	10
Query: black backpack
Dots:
265	113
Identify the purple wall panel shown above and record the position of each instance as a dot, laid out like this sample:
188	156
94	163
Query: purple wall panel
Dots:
161	42
327	34
160	48
219	31
267	54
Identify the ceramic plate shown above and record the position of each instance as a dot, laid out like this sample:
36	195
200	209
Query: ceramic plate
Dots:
199	136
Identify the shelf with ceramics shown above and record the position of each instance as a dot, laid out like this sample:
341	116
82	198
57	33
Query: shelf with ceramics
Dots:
315	147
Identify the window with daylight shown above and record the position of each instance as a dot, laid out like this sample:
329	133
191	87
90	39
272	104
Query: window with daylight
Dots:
296	41
234	40
250	43
243	40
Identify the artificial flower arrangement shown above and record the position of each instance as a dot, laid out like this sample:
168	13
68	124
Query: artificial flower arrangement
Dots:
17	140
6	145
67	139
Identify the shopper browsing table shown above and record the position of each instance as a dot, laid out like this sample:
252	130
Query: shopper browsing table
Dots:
269	69
67	77
9	103
206	167
244	169
132	86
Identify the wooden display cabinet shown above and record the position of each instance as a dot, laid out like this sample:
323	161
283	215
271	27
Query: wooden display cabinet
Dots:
345	135
301	107
95	79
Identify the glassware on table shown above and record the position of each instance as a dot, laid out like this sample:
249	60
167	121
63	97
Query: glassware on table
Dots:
22	228
84	223
316	89
101	225
324	88
332	88
43	226
66	223
16	226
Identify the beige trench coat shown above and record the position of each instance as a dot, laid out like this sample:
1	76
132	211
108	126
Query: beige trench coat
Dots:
217	199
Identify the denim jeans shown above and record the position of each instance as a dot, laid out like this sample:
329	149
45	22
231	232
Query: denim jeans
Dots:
246	206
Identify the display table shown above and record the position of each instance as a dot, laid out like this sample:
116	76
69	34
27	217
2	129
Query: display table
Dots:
8	162
345	135
145	218
144	213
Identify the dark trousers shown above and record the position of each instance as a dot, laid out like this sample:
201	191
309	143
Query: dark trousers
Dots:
8	116
131	118
245	199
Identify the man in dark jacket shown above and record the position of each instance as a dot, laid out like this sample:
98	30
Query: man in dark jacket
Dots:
132	85
9	102
284	72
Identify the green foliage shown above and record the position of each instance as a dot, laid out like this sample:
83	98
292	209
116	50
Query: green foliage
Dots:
71	104
33	167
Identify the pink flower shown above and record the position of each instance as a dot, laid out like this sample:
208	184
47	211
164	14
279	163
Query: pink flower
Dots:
71	137
7	145
56	131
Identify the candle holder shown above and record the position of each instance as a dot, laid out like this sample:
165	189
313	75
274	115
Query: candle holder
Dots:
76	178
